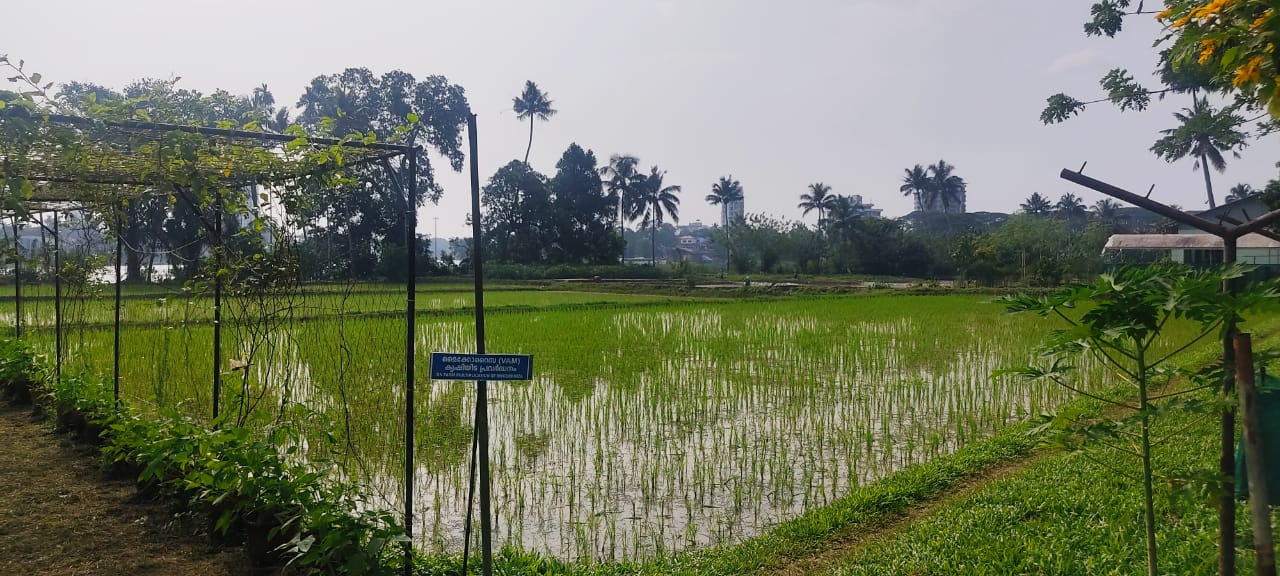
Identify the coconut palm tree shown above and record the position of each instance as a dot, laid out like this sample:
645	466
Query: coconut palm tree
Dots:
1239	192
843	217
1036	205
654	203
843	208
269	118
262	99
915	184
1070	206
723	194
818	198
944	187
1107	210
1203	134
620	179
278	121
532	104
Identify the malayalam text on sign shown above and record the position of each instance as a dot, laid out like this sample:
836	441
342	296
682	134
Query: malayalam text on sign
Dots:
451	366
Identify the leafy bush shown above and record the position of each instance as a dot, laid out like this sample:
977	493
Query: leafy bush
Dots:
19	371
285	509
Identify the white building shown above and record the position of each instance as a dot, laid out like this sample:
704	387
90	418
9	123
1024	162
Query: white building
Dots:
732	212
865	209
1196	248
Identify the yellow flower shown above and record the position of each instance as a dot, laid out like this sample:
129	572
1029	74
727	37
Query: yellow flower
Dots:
1165	15
1262	19
1250	72
1206	50
1181	22
1210	10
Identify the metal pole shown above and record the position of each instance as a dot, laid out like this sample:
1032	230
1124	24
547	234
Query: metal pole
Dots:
1255	463
57	301
471	498
1227	432
219	258
17	280
1144	202
115	380
411	286
482	392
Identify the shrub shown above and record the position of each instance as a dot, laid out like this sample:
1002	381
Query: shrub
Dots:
285	509
19	371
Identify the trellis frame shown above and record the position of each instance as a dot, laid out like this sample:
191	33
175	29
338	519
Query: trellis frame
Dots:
48	158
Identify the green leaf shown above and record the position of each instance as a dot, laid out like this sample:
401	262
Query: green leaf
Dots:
35	78
412	118
1059	108
1230	56
2	104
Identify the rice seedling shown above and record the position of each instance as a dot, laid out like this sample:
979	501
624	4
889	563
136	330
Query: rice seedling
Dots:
652	425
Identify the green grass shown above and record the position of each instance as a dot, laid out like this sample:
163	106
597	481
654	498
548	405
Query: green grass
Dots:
1077	513
1065	515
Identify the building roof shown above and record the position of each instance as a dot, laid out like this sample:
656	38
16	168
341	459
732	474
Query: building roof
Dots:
1183	242
1249	208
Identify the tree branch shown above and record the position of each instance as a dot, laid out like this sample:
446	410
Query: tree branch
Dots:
1211	329
1181	392
1176	433
1127	375
1059	382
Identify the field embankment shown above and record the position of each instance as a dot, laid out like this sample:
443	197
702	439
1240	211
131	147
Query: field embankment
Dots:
59	515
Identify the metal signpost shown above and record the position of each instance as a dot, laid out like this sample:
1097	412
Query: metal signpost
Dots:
482	368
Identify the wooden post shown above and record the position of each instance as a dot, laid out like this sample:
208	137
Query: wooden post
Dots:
1259	507
1227	433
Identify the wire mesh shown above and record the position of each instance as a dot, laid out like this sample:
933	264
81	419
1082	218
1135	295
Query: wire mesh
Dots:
312	331
177	280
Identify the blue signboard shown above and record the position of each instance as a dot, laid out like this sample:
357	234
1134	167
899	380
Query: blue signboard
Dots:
450	366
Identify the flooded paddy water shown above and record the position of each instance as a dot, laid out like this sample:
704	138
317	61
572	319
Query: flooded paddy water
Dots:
647	429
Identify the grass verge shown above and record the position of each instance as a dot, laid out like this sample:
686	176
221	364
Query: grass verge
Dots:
1078	513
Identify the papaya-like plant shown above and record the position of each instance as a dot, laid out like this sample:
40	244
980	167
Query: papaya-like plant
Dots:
1119	321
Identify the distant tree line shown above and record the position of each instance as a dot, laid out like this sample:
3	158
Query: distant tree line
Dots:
1045	243
578	215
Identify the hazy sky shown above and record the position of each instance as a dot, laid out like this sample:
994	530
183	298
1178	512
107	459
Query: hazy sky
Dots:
777	93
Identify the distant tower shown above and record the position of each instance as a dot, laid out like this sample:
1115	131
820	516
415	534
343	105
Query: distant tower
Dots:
731	212
935	204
